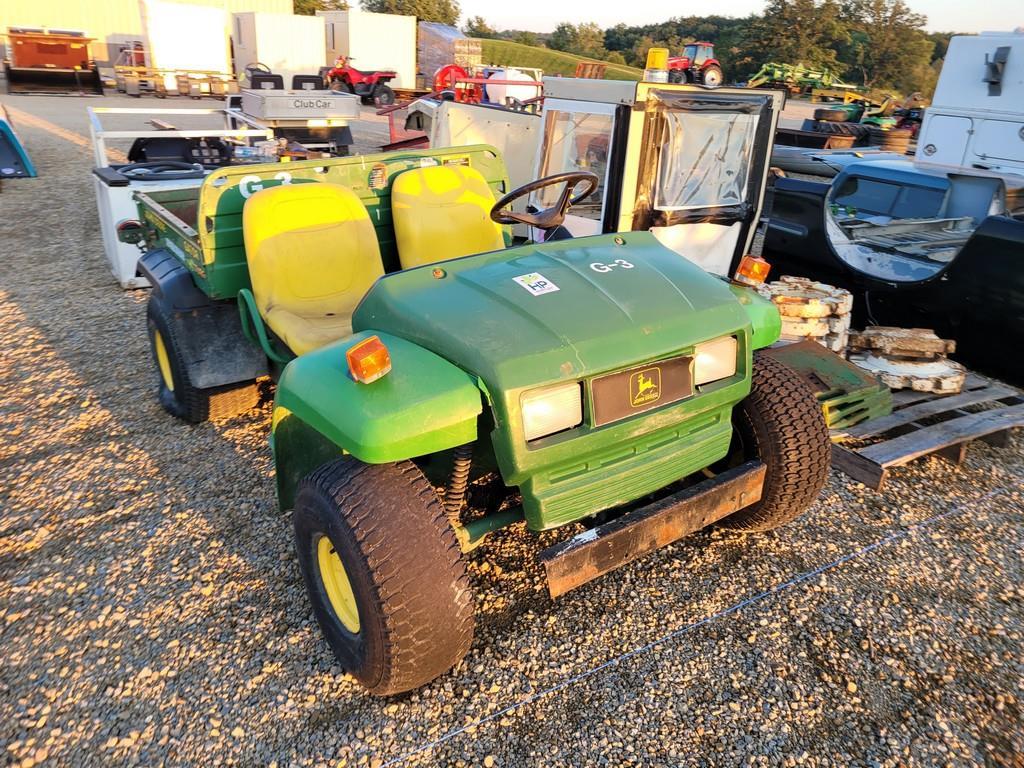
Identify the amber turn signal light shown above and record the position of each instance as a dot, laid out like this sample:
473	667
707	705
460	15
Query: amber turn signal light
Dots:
753	270
368	360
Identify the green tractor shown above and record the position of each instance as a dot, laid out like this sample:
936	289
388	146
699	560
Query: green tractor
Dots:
438	380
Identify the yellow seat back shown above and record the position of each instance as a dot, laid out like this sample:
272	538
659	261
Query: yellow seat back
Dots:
442	212
313	254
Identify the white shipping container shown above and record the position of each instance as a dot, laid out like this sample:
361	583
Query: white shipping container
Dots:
288	44
183	36
374	41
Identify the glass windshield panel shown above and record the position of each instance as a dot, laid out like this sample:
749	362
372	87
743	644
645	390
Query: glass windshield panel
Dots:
705	161
867	196
690	52
576	141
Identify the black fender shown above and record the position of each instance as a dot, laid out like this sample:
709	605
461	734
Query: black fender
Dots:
212	344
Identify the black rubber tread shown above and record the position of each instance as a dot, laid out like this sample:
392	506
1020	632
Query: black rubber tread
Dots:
827	115
721	75
187	402
781	423
384	96
842	129
405	567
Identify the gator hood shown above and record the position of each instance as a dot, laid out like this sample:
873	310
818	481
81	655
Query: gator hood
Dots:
555	311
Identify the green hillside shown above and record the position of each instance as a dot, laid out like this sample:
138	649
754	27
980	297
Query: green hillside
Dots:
552	62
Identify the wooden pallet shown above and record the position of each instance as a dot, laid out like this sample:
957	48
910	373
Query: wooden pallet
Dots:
922	424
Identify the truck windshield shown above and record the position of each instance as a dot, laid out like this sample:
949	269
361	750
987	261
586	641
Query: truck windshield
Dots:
576	141
705	160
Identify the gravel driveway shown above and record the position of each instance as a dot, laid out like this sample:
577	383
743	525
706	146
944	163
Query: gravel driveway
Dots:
151	611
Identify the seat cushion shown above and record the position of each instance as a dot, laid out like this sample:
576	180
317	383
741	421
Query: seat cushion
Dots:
443	212
313	254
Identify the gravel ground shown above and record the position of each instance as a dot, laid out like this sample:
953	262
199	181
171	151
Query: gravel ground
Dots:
151	611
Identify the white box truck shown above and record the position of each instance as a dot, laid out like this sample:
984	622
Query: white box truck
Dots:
373	41
289	45
976	119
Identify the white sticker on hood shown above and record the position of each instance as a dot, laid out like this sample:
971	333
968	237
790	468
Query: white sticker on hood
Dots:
536	283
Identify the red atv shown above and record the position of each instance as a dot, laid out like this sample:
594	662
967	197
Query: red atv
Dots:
372	87
697	65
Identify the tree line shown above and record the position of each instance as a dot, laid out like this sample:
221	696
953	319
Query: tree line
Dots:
879	44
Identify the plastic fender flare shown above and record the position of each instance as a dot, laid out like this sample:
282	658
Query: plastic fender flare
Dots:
425	404
765	321
214	347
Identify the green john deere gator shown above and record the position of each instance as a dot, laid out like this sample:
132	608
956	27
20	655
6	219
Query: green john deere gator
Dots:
438	380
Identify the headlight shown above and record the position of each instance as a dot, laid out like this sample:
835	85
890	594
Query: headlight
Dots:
714	360
553	409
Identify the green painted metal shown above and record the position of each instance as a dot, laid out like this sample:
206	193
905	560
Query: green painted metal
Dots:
848	394
424	405
621	301
215	253
255	330
765	322
473	532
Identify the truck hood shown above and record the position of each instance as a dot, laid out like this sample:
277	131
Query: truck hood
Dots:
569	309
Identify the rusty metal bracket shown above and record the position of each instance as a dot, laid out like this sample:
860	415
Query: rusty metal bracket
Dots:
584	557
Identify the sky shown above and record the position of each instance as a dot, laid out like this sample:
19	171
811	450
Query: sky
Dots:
543	15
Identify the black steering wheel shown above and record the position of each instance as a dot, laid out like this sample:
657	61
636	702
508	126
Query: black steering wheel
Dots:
257	67
551	217
162	170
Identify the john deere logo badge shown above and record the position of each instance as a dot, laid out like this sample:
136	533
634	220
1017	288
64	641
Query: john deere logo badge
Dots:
645	387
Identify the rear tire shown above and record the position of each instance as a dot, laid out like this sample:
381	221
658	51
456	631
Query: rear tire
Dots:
384	96
712	76
781	424
404	614
174	390
827	115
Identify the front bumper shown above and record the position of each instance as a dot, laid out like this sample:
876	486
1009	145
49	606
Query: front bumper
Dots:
592	553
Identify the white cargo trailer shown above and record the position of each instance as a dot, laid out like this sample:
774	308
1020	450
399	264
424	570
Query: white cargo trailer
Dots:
976	119
184	37
289	45
373	41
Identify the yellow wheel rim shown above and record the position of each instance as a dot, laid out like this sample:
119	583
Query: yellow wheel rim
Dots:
336	585
163	360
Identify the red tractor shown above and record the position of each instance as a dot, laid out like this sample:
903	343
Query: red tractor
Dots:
697	65
372	87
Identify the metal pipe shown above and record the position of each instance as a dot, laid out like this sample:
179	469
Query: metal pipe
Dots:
473	532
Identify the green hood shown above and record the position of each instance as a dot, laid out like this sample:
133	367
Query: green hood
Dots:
605	315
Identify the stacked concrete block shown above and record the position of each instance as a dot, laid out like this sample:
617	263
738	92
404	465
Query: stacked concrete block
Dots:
811	310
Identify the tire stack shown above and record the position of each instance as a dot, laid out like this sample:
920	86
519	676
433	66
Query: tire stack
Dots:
811	310
892	140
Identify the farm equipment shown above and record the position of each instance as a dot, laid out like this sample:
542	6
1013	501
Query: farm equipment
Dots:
50	61
370	87
604	379
795	78
134	78
697	65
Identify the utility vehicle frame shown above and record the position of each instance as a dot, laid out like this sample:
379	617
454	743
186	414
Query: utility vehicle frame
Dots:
437	382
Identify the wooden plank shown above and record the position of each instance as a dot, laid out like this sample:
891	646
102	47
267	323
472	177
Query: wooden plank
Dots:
586	556
928	408
900	450
850	462
904	397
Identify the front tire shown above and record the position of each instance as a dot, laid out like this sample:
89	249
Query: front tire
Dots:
175	391
781	423
384	573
